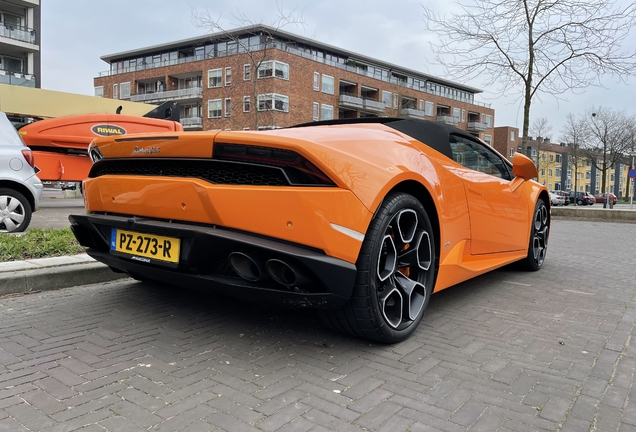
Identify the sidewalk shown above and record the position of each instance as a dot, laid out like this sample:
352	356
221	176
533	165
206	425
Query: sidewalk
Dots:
52	273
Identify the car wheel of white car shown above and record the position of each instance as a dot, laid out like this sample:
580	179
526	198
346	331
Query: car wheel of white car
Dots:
15	211
396	273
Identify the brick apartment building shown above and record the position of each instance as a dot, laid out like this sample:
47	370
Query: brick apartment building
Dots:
556	165
20	43
260	77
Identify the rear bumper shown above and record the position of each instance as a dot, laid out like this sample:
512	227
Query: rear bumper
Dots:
203	261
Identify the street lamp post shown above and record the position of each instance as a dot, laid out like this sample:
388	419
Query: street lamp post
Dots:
633	180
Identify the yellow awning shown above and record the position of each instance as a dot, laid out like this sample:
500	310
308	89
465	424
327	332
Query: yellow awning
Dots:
40	103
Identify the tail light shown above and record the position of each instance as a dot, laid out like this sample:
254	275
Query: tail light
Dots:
28	156
296	166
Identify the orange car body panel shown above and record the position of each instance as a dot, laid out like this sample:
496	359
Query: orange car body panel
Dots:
365	161
51	140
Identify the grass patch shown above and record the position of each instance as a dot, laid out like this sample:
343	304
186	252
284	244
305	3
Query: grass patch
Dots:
38	243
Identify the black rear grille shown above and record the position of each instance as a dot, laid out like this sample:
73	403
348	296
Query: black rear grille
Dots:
213	171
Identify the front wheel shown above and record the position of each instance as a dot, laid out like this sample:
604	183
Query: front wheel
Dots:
395	277
539	234
15	211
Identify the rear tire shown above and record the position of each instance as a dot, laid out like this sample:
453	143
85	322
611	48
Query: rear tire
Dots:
539	234
395	277
15	211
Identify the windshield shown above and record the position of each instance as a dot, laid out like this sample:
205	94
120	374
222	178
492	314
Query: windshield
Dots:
8	134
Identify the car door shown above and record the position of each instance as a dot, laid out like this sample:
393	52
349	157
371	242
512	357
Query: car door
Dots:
498	214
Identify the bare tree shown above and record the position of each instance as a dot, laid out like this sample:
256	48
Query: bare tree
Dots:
534	47
609	140
631	148
541	130
574	134
256	54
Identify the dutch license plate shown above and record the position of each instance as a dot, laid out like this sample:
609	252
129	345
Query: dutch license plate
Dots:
142	246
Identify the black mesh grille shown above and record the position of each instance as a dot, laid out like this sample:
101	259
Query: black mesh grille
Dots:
213	171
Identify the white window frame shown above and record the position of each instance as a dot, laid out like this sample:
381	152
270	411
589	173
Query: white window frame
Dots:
219	77
512	135
488	139
273	65
99	91
115	91
274	97
333	84
322	111
421	105
228	76
247	72
457	113
387	95
220	102
512	152
463	116
124	90
430	109
316	112
316	81
247	103
227	107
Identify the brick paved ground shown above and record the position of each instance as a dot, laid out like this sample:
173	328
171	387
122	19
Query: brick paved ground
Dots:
509	351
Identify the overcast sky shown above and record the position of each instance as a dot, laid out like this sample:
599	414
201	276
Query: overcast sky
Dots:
76	33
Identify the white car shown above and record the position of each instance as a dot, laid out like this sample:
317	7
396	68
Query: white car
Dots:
556	199
20	188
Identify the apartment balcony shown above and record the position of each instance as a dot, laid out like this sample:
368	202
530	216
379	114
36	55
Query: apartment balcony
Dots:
448	120
477	127
373	105
182	94
413	113
14	78
351	101
191	122
15	32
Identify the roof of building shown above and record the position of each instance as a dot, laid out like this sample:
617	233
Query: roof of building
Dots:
255	29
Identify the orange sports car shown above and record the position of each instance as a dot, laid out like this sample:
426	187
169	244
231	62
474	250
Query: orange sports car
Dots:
362	219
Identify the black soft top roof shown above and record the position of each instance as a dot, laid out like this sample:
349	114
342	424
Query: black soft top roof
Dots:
432	134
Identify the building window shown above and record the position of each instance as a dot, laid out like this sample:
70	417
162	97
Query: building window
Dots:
512	135
558	158
326	112
550	172
315	113
395	100
115	91
551	157
488	121
214	78
316	81
463	115
228	76
273	68
542	172
543	157
456	113
247	72
327	84
512	152
124	89
214	108
99	91
246	104
273	102
430	106
534	153
557	172
387	98
488	139
228	107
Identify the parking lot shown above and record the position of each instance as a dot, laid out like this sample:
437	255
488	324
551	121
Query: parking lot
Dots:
509	351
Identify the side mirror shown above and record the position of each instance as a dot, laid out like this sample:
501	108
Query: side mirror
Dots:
523	167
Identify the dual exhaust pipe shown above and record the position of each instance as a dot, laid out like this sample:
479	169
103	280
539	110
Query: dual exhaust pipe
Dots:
254	268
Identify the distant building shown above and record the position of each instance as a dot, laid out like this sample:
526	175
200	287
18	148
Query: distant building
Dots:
20	43
556	167
295	80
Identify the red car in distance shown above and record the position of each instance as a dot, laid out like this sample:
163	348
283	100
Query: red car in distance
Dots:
600	198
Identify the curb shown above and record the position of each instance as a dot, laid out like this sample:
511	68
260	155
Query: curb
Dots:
600	214
52	278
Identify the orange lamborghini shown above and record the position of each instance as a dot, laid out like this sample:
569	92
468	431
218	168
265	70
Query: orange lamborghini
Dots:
362	219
